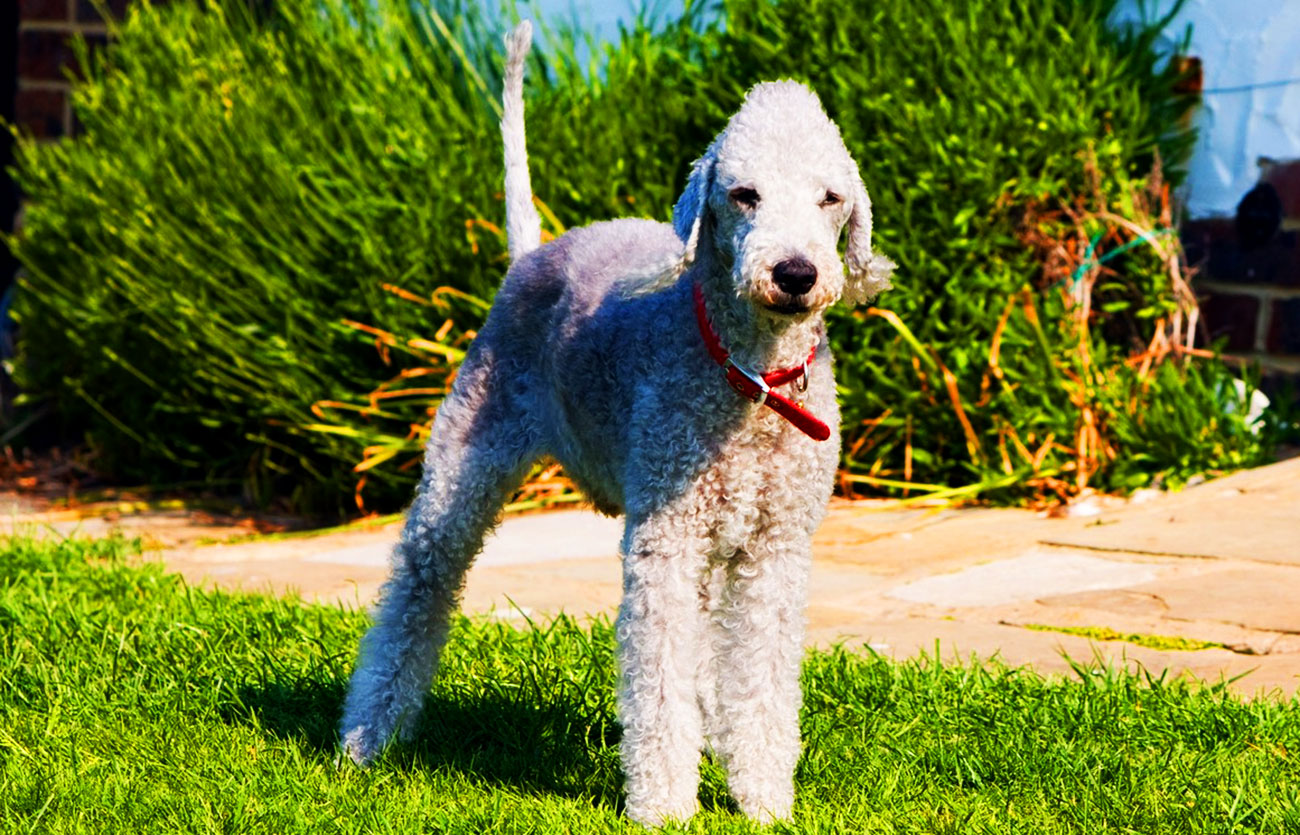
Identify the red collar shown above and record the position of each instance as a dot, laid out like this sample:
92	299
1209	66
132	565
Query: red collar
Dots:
757	388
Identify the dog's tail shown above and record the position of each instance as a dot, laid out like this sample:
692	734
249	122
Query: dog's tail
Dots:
523	226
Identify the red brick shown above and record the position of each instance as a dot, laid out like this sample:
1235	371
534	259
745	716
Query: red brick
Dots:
1284	333
43	10
1281	388
43	55
1277	262
1212	247
87	13
40	112
1285	178
1234	317
1200	237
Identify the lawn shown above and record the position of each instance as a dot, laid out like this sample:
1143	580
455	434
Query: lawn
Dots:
130	702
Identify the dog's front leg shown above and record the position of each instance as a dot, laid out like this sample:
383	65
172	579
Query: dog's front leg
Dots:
482	443
759	649
659	627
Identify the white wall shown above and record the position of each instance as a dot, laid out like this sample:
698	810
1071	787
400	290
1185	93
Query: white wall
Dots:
1250	57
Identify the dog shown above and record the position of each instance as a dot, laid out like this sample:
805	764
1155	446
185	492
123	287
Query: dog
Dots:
681	375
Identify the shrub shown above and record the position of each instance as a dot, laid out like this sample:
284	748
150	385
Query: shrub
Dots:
243	186
256	200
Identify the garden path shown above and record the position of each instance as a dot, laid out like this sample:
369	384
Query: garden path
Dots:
1216	566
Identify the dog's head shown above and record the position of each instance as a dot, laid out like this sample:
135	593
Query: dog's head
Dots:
770	198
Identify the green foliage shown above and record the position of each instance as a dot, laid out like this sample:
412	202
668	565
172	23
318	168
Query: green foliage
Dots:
246	185
243	186
130	702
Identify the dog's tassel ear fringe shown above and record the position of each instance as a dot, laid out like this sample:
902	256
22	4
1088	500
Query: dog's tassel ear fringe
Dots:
688	213
869	272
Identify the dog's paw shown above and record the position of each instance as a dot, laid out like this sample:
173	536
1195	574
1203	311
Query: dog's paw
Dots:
360	747
765	815
652	814
766	806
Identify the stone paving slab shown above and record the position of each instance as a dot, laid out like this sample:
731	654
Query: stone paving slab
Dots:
1251	515
587	587
1033	574
349	566
1262	597
929	542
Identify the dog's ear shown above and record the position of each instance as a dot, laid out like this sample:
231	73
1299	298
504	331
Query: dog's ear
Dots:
869	272
689	212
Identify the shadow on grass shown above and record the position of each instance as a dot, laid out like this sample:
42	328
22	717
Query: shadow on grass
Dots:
557	745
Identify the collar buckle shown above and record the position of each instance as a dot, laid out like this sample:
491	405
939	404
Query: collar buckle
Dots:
747	384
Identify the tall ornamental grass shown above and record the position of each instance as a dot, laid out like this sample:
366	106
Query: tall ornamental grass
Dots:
265	255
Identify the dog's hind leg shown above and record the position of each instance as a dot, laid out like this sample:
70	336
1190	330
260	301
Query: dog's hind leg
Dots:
484	438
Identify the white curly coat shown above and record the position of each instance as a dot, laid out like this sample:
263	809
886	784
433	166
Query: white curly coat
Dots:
591	354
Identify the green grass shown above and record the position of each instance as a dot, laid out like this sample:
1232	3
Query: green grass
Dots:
132	703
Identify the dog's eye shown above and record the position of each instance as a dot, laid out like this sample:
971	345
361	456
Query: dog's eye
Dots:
744	196
831	199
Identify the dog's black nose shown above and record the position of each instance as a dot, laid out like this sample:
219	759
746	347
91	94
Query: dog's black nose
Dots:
795	276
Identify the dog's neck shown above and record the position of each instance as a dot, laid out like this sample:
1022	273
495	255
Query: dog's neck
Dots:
755	339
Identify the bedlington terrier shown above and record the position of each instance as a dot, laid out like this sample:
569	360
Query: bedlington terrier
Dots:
682	376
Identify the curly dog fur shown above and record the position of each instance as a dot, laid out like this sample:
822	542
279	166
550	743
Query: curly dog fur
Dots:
592	355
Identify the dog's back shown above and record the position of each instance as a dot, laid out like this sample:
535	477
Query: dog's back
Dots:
571	315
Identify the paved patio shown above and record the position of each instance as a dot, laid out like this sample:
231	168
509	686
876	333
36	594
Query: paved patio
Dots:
1216	563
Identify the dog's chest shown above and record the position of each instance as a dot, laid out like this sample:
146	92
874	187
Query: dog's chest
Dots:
767	479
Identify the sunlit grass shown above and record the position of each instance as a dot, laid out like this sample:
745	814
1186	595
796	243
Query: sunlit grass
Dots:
130	702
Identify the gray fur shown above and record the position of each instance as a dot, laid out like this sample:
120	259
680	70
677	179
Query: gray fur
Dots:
591	354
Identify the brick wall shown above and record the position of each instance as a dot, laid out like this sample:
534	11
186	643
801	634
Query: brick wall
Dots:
41	103
1249	272
34	88
8	87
